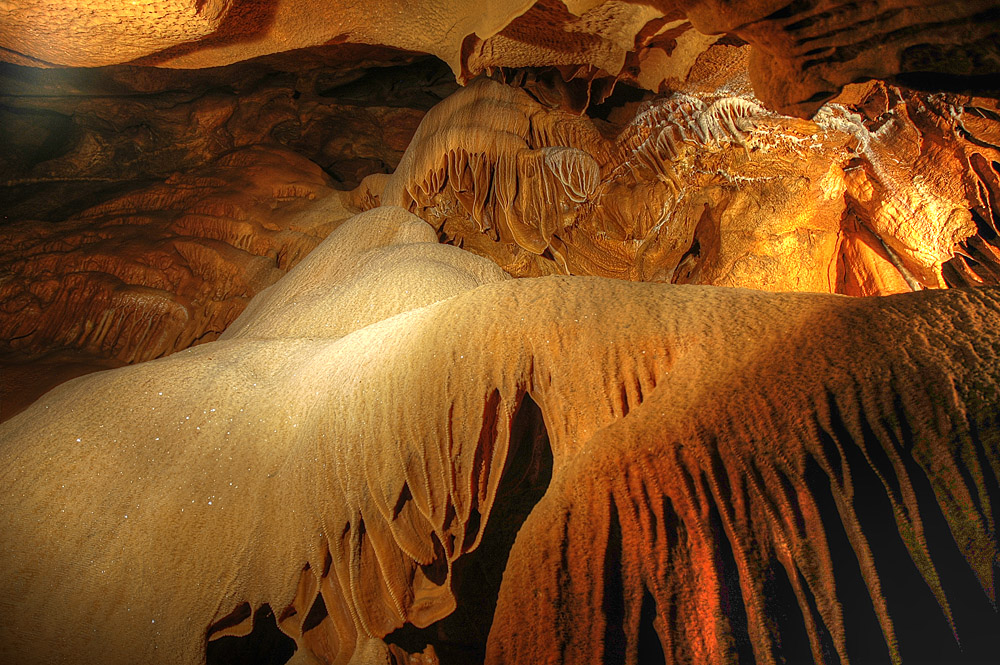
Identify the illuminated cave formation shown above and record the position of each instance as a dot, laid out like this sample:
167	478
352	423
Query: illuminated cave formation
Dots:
445	332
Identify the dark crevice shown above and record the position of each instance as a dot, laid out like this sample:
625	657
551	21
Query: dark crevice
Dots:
790	10
316	614
720	476
404	497
688	264
265	645
649	645
984	229
953	276
981	112
622	95
31	136
327	562
569	88
791	497
732	602
827	649
234	618
820	96
613	599
788	626
921	630
460	639
437	570
419	85
985	437
976	620
862	632
983	84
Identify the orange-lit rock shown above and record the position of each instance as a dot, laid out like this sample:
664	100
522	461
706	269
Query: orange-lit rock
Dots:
101	32
508	413
729	477
192	34
804	52
787	508
703	188
159	269
865	267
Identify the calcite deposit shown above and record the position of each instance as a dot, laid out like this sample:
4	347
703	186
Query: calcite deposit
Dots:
705	188
555	331
156	270
348	436
804	50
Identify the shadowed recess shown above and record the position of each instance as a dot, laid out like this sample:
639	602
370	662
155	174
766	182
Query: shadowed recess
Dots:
460	638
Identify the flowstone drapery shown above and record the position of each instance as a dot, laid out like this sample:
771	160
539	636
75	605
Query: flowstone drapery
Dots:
708	188
347	436
515	332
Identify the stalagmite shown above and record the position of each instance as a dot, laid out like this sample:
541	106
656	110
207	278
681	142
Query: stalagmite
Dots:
531	331
350	430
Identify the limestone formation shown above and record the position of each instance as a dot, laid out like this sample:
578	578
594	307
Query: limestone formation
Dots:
64	128
704	188
193	34
156	270
348	436
804	51
555	331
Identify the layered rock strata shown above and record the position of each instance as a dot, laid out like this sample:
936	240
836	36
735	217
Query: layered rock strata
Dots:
158	269
805	51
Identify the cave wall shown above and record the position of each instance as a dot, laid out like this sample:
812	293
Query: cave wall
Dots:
805	51
141	208
421	293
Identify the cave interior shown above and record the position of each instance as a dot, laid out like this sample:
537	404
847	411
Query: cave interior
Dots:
555	331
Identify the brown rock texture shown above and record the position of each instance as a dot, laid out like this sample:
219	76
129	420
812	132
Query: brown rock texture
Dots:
805	51
158	269
350	110
346	444
400	371
872	196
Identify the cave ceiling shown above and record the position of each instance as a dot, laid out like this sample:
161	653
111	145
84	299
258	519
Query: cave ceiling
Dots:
674	308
